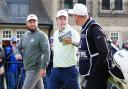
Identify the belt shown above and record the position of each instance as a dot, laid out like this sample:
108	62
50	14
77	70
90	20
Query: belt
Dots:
62	68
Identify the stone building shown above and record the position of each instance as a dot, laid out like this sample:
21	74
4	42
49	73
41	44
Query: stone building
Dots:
13	15
111	14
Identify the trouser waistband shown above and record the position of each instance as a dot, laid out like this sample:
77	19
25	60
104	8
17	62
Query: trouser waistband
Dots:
61	68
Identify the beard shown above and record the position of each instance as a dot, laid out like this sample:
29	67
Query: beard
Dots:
32	29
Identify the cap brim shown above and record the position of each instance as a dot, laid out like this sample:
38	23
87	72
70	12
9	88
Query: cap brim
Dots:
71	11
31	19
61	15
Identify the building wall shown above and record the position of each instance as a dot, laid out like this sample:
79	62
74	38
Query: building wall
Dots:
52	6
112	22
48	6
14	30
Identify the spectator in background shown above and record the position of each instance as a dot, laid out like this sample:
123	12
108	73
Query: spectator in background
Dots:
21	72
11	65
13	42
115	42
2	71
114	46
125	45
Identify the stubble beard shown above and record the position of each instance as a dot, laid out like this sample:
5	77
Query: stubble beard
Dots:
32	29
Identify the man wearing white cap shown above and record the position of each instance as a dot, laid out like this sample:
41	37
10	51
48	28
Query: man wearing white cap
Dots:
36	54
64	71
93	50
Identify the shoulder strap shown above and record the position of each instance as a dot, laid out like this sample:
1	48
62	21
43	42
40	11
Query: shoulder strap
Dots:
109	57
94	23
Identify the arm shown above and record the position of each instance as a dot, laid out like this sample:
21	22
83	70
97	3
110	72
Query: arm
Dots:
101	46
75	38
17	50
45	48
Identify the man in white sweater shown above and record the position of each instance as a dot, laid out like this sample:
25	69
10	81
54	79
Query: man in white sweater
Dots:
64	69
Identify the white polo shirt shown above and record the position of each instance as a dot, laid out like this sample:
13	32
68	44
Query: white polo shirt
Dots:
65	55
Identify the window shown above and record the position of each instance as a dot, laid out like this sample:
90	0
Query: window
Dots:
114	8
112	5
7	33
115	36
82	1
118	5
105	4
19	33
18	10
68	4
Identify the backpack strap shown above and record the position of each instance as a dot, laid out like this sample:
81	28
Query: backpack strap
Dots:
109	56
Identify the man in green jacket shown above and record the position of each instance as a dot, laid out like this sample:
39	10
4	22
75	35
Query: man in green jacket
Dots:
34	45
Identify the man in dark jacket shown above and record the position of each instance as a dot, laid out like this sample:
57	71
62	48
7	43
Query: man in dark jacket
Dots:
93	50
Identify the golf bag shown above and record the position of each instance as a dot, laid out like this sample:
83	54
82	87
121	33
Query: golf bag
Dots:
119	69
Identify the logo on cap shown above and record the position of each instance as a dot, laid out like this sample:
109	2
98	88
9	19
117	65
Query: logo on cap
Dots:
32	16
62	13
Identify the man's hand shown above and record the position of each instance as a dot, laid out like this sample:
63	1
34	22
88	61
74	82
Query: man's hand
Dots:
0	60
18	56
42	72
67	40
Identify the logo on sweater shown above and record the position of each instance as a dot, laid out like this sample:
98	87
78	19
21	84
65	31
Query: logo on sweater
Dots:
83	54
32	40
99	37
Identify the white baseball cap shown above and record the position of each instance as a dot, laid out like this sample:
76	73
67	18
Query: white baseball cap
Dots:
62	13
32	16
79	9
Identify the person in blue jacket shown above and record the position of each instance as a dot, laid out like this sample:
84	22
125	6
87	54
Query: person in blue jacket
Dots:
11	67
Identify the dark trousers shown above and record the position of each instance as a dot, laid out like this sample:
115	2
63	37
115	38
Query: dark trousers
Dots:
2	82
99	81
64	76
46	78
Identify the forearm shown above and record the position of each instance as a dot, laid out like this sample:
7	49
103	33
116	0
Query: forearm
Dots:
46	56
